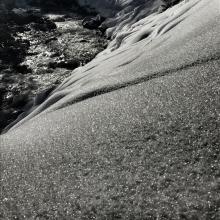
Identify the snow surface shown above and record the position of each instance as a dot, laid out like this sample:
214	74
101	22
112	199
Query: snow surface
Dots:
133	34
134	132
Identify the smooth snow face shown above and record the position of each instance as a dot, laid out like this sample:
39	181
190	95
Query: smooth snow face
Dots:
143	114
117	66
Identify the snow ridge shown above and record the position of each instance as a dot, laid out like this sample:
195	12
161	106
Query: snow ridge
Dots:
136	25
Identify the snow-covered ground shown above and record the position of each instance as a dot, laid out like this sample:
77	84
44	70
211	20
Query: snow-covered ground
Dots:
135	132
134	40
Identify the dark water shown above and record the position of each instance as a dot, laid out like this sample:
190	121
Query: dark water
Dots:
37	52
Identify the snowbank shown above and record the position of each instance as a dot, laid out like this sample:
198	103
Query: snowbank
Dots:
131	35
134	134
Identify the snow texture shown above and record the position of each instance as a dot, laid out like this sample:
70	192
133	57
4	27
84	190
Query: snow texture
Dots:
135	132
132	30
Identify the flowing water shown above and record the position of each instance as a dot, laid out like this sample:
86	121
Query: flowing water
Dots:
47	55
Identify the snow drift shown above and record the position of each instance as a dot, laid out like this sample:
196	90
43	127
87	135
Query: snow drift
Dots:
131	27
134	134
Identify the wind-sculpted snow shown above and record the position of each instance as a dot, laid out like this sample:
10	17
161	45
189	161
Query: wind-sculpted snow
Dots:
134	134
118	66
136	26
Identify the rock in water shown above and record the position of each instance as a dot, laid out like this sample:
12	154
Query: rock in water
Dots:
93	22
165	4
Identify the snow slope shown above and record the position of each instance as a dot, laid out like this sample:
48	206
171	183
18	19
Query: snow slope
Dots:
128	29
133	134
133	38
